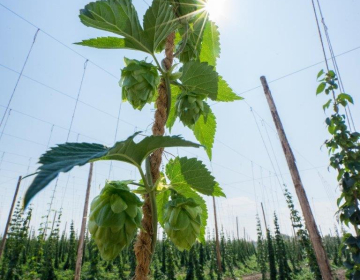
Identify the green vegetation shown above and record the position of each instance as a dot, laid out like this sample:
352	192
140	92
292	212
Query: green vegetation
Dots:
344	151
53	257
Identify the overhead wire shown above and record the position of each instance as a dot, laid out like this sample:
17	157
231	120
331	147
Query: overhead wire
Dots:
267	151
65	94
333	58
297	152
325	57
303	170
20	75
77	100
116	132
57	40
52	124
3	130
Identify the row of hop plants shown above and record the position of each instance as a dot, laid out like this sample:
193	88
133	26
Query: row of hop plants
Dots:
286	257
47	253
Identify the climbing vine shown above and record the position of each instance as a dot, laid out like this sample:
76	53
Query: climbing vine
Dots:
344	151
181	30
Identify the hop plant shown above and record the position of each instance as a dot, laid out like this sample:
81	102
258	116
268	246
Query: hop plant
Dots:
139	80
189	106
114	219
182	219
186	7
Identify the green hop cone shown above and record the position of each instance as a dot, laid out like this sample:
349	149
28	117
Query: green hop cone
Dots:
189	106
115	216
139	80
182	222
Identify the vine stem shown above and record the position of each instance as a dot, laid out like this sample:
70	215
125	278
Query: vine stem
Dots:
146	240
168	92
152	197
158	64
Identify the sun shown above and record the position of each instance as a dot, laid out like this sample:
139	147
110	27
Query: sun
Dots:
215	9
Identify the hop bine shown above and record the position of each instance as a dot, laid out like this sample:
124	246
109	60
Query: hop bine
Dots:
189	106
139	80
182	219
114	219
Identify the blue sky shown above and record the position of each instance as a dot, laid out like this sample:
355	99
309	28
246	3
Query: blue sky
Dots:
272	38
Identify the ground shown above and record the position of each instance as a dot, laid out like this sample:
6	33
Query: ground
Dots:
340	274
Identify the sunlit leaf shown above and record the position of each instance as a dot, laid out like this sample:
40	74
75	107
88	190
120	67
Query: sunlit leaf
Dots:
190	172
205	129
225	92
159	22
210	49
119	17
200	78
321	88
66	156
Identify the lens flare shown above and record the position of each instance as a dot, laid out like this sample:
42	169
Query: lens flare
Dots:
216	9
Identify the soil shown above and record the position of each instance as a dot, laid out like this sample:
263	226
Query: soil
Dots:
252	277
340	274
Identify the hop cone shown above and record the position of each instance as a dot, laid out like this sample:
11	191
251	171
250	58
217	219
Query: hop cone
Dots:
182	222
139	80
189	106
114	218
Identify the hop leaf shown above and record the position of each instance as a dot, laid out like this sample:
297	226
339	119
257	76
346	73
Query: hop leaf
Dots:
182	222
185	8
139	80
114	219
189	107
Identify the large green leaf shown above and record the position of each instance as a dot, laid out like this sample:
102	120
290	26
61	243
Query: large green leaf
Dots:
210	49
205	129
218	192
161	199
199	77
175	91
105	43
119	17
62	159
225	93
195	32
135	153
66	156
159	22
192	173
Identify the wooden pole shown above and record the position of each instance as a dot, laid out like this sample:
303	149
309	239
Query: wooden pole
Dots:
83	227
3	242
310	223
262	207
237	228
218	254
53	223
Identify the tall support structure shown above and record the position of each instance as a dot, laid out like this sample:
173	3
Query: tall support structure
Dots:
83	226
310	223
262	208
218	254
3	242
237	228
